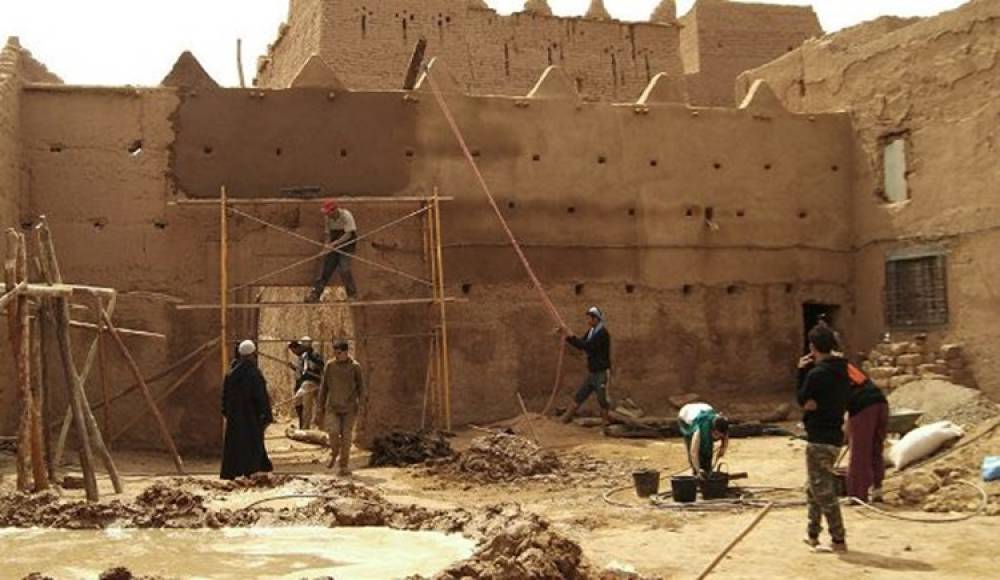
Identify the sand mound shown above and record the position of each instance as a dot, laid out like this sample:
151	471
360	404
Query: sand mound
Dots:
944	401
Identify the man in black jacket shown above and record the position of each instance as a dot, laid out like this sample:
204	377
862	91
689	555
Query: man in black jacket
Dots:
597	344
824	395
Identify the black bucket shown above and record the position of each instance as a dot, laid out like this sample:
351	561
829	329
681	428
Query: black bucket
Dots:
715	486
647	482
684	488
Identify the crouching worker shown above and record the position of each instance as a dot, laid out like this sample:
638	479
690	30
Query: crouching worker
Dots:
247	411
597	344
341	397
702	426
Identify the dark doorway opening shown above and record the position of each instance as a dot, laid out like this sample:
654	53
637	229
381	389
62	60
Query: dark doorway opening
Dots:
812	313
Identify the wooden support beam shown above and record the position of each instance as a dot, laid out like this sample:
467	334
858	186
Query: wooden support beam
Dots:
349	304
12	294
50	269
224	280
134	367
122	331
293	201
61	290
441	301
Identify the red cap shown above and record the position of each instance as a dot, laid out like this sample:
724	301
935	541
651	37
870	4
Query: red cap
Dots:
329	206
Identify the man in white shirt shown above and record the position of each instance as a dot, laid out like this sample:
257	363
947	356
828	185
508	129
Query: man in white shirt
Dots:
341	231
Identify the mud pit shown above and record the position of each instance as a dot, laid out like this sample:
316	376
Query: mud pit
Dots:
293	552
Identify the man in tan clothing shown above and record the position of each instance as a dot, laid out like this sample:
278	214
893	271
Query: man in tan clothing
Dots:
340	398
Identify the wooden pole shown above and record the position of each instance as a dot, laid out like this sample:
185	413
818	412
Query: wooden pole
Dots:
223	280
166	393
428	382
239	62
760	516
39	472
102	367
80	379
164	432
50	269
41	388
445	367
15	331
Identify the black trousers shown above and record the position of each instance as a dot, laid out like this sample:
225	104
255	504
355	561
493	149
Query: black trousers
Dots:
337	262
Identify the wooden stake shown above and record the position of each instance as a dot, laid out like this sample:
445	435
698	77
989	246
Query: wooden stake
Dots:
164	432
50	269
39	471
223	280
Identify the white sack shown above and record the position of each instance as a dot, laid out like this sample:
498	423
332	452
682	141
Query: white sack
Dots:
922	442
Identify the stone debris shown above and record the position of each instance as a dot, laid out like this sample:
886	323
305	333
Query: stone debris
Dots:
892	365
402	448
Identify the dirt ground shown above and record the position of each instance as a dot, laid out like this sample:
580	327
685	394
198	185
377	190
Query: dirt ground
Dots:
651	542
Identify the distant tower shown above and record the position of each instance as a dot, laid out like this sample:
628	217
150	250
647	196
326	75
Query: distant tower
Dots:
597	11
665	12
538	7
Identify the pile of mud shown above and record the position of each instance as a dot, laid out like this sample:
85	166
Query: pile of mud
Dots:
401	448
499	458
512	543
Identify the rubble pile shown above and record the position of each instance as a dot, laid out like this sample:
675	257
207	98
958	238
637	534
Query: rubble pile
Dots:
499	457
894	364
402	448
24	510
939	490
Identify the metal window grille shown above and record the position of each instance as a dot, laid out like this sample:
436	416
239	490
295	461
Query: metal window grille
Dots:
916	291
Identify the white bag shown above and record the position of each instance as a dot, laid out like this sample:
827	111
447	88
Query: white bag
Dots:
922	442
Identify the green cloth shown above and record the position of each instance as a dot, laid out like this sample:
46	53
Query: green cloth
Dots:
702	424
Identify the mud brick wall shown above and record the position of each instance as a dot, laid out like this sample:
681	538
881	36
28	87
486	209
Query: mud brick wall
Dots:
369	45
934	82
609	211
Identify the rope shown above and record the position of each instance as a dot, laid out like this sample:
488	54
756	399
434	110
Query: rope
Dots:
553	312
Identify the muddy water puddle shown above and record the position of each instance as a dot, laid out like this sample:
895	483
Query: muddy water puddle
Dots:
297	552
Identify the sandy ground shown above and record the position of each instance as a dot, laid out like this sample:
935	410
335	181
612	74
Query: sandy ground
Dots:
653	542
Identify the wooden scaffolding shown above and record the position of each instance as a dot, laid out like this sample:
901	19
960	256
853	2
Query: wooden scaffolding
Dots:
437	389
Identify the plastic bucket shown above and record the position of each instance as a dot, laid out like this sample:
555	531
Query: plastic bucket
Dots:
647	482
715	486
684	488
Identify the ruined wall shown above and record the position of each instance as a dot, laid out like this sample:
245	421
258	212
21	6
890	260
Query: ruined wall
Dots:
733	37
369	46
936	82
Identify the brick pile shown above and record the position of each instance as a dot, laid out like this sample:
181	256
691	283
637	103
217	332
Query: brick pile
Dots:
894	364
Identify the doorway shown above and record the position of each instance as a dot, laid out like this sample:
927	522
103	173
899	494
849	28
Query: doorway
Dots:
812	313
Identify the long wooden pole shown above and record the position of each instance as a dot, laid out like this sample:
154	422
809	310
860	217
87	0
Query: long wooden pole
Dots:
80	379
50	269
14	332
223	280
41	387
102	367
166	393
144	388
39	471
445	366
739	538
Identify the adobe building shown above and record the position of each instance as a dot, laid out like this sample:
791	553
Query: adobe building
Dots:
711	236
369	44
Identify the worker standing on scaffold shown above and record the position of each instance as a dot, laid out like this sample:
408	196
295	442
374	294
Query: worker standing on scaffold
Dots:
341	230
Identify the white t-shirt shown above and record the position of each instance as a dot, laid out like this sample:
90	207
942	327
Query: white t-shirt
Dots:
690	412
342	221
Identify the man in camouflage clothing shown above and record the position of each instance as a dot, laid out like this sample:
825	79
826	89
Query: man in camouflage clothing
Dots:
824	392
